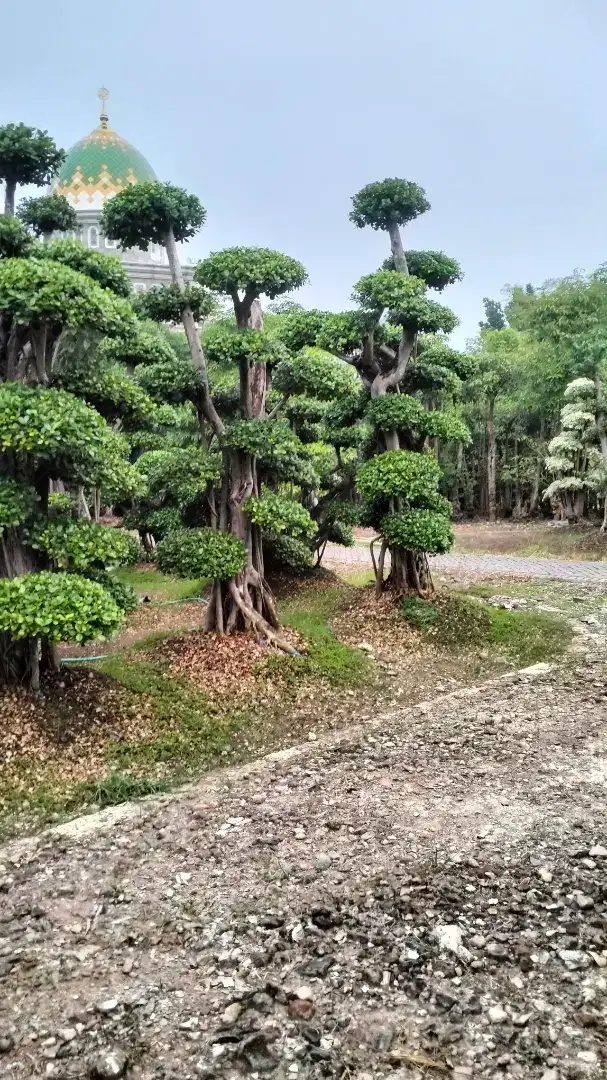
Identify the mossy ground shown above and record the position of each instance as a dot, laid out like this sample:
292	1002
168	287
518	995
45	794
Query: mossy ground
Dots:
156	714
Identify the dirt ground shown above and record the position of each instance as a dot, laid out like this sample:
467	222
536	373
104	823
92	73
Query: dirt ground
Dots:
422	895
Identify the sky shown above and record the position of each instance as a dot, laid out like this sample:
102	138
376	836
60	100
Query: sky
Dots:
276	113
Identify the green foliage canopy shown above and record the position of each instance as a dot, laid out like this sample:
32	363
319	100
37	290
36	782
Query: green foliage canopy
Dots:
57	607
255	270
145	213
386	202
47	214
201	553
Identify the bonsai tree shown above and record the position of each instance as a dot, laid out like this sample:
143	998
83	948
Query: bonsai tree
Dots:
154	213
27	156
49	437
15	241
244	274
380	338
47	214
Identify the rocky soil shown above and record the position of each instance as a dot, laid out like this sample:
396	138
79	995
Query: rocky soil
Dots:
424	895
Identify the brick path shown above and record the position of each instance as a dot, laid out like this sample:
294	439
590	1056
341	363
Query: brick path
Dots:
556	569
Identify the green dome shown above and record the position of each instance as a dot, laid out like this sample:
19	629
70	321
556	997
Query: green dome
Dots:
99	166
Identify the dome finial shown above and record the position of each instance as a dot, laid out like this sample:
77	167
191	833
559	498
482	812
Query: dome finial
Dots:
103	95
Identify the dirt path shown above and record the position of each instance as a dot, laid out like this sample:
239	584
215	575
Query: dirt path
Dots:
554	569
424	896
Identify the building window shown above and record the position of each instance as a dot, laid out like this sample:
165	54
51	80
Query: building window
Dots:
93	237
110	243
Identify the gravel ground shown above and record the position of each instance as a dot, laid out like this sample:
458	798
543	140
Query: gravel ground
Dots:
555	569
423	895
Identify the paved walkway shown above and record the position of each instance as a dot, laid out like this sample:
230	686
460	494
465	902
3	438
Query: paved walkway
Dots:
556	569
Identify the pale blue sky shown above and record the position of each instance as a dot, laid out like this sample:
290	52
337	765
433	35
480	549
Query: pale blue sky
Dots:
276	113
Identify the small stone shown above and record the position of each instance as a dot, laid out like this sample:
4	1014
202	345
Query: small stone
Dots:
573	959
364	645
545	874
496	951
590	1057
521	1019
584	902
550	1074
497	1015
110	1065
107	1006
323	862
6	1043
598	852
231	1014
478	941
301	1010
67	1034
304	993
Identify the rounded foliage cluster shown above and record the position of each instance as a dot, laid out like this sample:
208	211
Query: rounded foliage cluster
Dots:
179	473
395	411
403	473
286	553
28	155
76	544
57	607
343	333
15	241
405	300
388	289
300	328
201	553
256	270
140	344
418	530
275	514
386	202
145	213
106	270
110	391
224	343
445	424
317	373
16	503
269	439
166	303
47	214
434	267
175	380
41	290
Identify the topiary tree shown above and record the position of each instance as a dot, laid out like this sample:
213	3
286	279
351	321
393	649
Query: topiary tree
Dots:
386	205
382	338
49	437
47	214
154	213
27	156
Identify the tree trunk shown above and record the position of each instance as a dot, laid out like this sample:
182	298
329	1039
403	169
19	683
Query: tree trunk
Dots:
455	490
19	660
193	336
491	462
537	476
9	197
398	252
409	573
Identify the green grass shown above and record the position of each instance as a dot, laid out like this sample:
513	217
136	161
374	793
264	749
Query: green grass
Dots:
360	578
460	622
194	732
160	586
326	657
